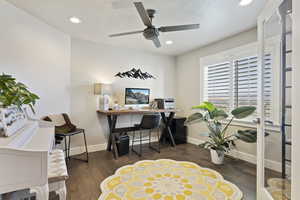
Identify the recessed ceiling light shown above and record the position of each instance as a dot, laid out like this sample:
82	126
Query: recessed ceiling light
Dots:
75	20
245	2
169	42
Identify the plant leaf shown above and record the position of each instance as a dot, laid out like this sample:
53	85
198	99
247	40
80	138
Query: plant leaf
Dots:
196	117
218	114
34	96
214	128
249	136
242	112
15	93
205	106
206	145
27	101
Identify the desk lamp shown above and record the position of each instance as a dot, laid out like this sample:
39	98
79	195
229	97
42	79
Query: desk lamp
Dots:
104	90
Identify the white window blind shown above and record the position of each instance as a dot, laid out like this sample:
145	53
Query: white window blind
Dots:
218	84
235	83
245	82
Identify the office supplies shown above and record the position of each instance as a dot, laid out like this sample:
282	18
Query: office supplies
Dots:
166	103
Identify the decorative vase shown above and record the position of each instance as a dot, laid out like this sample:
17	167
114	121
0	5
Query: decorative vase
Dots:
217	157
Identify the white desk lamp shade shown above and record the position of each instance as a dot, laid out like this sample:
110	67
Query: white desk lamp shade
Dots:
104	90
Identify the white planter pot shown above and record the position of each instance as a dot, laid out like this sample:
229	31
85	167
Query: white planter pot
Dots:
217	158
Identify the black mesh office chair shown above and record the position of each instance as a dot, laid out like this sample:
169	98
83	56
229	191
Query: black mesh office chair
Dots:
148	124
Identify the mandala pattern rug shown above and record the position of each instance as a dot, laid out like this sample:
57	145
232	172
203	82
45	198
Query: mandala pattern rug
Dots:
280	189
167	180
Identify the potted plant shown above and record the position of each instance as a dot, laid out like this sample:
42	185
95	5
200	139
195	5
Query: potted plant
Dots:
220	141
13	96
14	93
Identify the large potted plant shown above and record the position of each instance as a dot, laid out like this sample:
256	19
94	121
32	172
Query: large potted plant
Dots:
14	93
219	140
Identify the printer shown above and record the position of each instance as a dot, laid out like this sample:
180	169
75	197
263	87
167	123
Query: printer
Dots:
165	103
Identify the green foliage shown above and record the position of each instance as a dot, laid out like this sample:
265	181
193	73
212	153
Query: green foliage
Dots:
242	112
218	114
196	117
15	93
219	140
249	136
205	106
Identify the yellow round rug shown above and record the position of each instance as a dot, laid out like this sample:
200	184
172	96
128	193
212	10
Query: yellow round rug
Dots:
167	180
280	189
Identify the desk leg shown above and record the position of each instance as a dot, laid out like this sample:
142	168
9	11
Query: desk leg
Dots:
109	120
167	122
112	120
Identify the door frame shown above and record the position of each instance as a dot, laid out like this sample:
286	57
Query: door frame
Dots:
269	9
296	100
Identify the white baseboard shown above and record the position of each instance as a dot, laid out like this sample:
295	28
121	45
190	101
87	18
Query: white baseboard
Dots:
91	148
98	147
270	164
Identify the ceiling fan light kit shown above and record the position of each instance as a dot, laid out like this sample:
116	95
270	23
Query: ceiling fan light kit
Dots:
75	20
245	2
151	32
169	42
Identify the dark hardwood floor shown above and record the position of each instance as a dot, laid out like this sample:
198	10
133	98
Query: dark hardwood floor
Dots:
85	178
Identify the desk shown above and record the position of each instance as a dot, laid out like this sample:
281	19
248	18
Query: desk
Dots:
112	116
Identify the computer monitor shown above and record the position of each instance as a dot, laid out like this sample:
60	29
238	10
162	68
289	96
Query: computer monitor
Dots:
137	96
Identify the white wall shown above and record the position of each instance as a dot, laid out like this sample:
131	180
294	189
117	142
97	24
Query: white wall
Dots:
295	101
37	55
98	63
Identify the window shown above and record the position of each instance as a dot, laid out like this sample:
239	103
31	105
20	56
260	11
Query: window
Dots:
234	83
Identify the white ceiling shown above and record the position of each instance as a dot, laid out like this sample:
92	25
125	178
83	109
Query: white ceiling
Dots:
218	19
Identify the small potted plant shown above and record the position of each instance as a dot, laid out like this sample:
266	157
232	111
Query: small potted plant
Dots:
220	141
13	97
14	93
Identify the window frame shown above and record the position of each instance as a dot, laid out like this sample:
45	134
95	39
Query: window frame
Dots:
251	49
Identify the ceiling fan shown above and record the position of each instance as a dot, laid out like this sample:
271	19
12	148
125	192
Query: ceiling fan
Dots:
151	32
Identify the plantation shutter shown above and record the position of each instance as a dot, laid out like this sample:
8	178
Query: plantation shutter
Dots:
245	82
217	89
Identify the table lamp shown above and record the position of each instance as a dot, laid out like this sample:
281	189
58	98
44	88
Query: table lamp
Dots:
104	90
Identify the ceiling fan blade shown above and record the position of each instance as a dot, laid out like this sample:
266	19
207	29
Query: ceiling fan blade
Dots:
143	13
156	42
179	28
125	33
